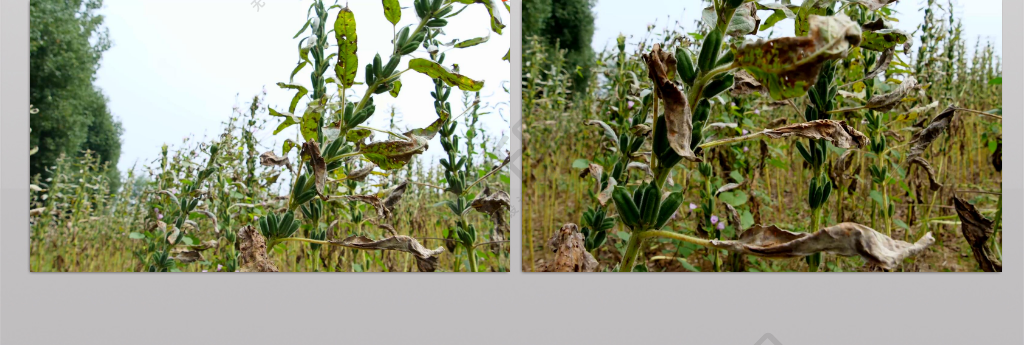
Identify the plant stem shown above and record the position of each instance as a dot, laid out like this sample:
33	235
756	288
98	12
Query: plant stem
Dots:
632	247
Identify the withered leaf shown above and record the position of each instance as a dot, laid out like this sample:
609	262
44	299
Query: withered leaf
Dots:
311	152
788	66
881	64
269	159
744	84
838	132
838	172
373	200
394	196
886	102
426	259
361	173
594	170
845	239
932	179
678	119
646	169
920	141
252	251
977	229
570	252
874	4
494	205
727	187
394	154
641	130
777	122
188	256
606	193
609	133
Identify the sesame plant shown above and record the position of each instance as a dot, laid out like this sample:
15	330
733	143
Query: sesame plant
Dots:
337	196
686	132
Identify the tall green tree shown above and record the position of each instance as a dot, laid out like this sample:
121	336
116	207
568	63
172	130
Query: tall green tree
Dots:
569	24
67	40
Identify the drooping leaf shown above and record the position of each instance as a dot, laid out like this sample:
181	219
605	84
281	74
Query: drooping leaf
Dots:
881	64
392	11
919	141
887	101
609	133
494	205
310	122
431	130
492	9
298	95
782	11
311	152
426	259
394	154
361	173
373	200
744	20
270	159
883	40
788	66
570	250
932	179
345	32
844	239
433	70
472	42
678	119
396	87
745	84
838	132
394	196
977	229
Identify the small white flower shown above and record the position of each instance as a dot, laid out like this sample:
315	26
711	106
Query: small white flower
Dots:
310	41
315	23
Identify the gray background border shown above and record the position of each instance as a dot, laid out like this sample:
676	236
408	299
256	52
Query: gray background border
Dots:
516	308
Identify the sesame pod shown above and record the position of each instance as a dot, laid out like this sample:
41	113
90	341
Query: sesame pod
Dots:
709	50
627	208
717	85
702	112
726	58
638	195
668	207
370	76
636	144
617	170
272	225
392	64
623	143
734	3
437	23
826	191
660	147
264	228
378	67
684	66
651	206
286	221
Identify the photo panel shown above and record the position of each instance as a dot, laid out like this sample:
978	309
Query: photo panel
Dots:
743	136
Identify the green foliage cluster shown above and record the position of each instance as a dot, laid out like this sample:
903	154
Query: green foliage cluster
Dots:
66	42
564	24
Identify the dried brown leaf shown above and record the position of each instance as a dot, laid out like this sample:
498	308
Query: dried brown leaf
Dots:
594	170
932	179
920	141
840	134
494	205
394	196
373	200
570	252
745	84
188	256
426	259
882	64
845	239
886	102
678	119
311	152
977	229
252	251
646	169
361	173
270	159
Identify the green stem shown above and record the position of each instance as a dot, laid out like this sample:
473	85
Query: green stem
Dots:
472	259
632	247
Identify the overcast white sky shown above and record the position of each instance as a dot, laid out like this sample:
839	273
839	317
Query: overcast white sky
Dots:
981	18
175	68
